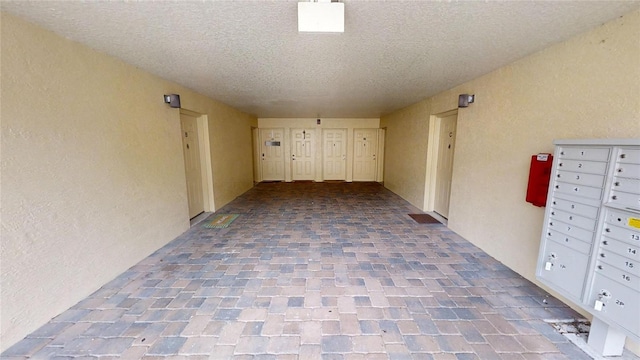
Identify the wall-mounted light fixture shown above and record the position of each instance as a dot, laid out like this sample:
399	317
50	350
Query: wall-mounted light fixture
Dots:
173	100
465	99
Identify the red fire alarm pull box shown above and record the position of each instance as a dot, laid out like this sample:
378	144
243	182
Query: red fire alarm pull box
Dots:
539	175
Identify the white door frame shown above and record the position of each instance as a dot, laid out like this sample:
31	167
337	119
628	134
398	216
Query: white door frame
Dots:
257	164
432	159
205	158
382	134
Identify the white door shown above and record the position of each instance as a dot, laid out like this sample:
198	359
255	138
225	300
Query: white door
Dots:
272	154
365	143
303	154
444	167
334	154
191	150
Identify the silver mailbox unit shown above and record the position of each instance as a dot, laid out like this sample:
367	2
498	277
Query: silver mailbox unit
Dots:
590	247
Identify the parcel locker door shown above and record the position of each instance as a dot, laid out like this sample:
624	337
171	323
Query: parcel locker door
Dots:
565	268
616	302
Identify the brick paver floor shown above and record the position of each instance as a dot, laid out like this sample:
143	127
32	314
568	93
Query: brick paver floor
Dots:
312	271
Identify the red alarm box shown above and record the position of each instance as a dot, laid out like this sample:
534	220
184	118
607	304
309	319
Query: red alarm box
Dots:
539	176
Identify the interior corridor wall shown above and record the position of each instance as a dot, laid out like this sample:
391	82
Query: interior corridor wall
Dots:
586	87
92	170
230	145
406	151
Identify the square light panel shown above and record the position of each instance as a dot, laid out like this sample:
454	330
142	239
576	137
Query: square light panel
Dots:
321	17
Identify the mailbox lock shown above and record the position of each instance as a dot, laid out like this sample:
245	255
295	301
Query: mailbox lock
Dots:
603	295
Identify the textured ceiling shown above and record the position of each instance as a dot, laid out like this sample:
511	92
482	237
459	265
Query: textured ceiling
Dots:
250	55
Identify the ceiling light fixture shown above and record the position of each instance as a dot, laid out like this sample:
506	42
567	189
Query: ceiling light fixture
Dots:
321	16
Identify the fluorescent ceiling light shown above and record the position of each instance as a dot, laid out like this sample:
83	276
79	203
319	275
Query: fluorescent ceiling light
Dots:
321	17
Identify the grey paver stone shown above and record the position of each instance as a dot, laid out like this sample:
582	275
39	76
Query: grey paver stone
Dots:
167	345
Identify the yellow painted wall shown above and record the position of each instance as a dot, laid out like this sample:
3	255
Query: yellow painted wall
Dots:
332	123
230	142
406	151
92	171
587	87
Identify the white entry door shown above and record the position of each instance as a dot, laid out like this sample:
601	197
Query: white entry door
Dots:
303	165
444	167
272	154
193	171
334	154
365	143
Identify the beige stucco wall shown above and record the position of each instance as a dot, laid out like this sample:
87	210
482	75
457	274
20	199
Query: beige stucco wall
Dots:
406	151
230	144
586	87
325	123
92	170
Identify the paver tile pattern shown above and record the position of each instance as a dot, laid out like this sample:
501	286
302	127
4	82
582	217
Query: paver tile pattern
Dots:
311	271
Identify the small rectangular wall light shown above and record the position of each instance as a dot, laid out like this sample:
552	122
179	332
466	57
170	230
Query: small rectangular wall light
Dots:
173	100
321	17
465	99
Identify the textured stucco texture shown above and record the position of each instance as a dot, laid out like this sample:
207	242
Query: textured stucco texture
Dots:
92	170
586	87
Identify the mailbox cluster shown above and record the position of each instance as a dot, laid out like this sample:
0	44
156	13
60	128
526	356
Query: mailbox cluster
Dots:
590	248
